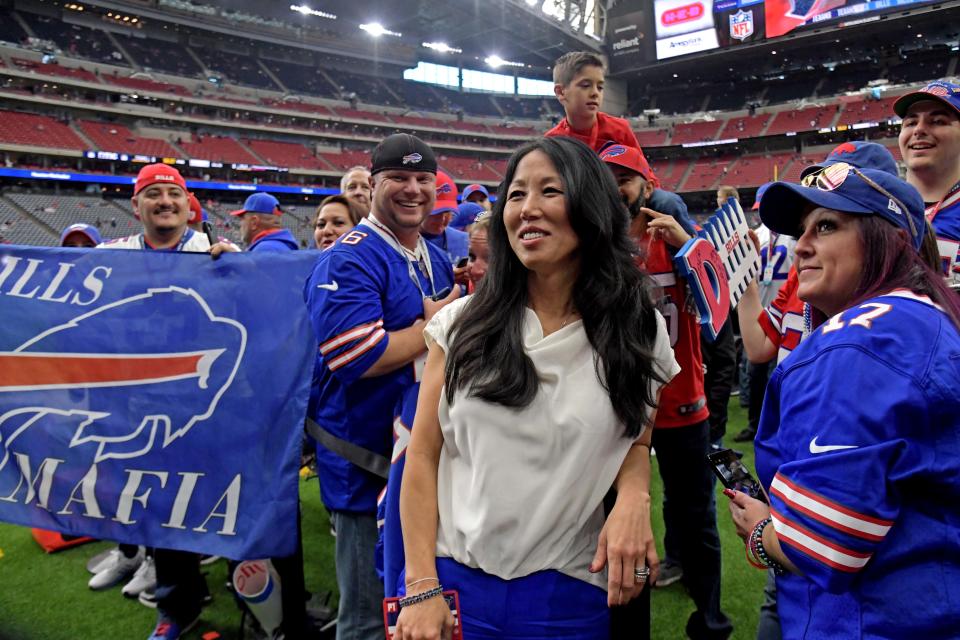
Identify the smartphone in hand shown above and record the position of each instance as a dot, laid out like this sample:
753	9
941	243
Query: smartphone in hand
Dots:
734	475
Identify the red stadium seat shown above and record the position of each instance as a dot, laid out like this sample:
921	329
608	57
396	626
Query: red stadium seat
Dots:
219	149
116	137
38	131
695	132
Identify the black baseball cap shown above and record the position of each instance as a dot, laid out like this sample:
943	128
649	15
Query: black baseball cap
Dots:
403	152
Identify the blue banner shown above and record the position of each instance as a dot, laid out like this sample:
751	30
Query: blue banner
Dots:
154	398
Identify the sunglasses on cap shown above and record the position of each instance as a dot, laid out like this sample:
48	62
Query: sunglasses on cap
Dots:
832	176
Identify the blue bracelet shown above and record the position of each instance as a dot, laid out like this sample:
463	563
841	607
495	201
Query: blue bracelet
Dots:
420	597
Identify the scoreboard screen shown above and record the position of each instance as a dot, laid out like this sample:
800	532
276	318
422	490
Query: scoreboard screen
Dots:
682	27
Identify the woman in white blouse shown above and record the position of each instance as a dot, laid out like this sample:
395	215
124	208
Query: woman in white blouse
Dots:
536	398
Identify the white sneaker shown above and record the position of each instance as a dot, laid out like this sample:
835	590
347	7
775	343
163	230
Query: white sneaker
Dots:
117	569
145	578
98	563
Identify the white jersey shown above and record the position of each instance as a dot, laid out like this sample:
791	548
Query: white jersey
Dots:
192	242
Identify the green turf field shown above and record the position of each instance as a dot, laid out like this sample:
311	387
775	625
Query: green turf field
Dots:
45	597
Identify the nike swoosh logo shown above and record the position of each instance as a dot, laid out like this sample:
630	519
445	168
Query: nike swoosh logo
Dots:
818	448
333	286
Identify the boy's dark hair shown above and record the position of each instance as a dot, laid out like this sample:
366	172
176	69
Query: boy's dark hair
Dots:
567	66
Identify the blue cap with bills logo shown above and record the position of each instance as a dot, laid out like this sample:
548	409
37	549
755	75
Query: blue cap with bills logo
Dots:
844	188
85	229
940	90
466	215
262	203
862	155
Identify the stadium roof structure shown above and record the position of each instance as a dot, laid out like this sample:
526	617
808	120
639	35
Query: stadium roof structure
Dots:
533	33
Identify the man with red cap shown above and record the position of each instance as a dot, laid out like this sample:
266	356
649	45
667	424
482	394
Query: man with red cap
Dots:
681	434
436	228
162	203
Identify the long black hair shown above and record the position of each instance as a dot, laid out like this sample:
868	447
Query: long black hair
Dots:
611	294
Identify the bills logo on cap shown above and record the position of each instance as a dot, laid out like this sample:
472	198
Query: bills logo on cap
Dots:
936	90
614	151
841	149
165	176
741	25
444	188
413	158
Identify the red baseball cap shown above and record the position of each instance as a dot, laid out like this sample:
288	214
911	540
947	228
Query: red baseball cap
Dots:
158	173
446	194
629	158
196	211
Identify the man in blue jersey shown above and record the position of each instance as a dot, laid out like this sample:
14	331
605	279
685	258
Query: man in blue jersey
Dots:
260	226
370	296
930	146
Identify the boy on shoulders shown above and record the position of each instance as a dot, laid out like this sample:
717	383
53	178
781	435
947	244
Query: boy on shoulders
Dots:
578	82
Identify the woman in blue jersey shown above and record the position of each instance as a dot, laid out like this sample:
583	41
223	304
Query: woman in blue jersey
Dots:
859	440
536	398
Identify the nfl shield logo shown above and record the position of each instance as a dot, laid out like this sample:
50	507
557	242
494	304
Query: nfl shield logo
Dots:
741	25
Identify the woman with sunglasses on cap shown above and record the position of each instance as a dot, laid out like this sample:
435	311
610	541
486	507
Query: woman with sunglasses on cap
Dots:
858	446
537	397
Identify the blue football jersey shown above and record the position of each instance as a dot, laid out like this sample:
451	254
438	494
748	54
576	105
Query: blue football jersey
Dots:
945	218
859	449
360	290
455	243
391	561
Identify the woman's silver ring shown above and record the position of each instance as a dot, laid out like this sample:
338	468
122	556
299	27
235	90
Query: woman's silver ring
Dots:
640	575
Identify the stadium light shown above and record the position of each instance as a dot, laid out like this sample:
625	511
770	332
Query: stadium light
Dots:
376	30
496	61
442	47
307	11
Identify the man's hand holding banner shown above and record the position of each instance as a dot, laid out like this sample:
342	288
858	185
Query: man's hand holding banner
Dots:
154	398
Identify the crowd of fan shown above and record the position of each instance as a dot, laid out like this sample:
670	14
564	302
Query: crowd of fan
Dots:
555	261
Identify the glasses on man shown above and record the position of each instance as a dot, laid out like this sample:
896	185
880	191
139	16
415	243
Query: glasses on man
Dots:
832	176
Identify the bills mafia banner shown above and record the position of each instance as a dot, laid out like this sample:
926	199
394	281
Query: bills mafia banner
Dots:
154	398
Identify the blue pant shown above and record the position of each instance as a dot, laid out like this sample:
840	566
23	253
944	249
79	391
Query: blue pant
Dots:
360	616
541	606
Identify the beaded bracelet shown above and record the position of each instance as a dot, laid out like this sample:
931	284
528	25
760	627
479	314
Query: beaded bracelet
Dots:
756	546
420	597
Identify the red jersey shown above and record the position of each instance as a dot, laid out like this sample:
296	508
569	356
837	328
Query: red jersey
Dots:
607	129
682	401
783	319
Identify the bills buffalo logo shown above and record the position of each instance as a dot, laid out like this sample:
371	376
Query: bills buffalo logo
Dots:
741	25
937	90
843	149
613	152
444	188
412	158
121	399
